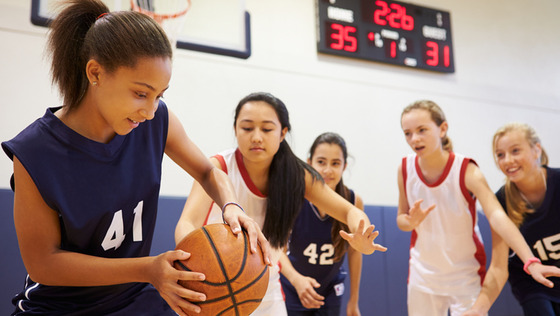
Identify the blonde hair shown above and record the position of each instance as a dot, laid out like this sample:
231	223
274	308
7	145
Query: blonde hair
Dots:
517	207
436	114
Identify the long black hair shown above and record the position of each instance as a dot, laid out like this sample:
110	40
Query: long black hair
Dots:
84	30
340	245
286	178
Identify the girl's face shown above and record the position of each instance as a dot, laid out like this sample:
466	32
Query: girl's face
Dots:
258	131
421	132
515	156
129	96
328	160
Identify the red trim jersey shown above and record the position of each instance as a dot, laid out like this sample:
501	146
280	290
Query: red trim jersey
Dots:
254	204
446	252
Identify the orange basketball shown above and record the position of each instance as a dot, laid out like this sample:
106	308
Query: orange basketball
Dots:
236	279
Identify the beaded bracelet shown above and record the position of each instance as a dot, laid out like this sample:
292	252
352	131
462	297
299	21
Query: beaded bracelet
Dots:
224	208
529	262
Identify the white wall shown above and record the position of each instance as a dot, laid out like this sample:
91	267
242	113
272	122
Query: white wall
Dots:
506	69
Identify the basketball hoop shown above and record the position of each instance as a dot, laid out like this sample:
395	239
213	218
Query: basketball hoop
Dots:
170	14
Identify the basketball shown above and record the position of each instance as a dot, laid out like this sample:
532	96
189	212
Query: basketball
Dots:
236	279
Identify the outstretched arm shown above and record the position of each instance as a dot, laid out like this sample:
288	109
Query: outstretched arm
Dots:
502	225
362	235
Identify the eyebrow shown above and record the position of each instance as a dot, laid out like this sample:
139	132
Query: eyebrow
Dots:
251	121
148	86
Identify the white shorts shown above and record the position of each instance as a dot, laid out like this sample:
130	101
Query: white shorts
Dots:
426	304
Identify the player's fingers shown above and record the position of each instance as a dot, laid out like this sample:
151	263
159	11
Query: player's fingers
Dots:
190	295
542	280
369	230
431	208
345	235
186	275
417	203
378	247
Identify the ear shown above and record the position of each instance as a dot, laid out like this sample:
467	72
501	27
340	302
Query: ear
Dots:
538	151
93	71
309	161
443	129
345	165
283	134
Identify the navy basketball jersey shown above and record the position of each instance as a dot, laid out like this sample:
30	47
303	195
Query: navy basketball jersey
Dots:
541	230
106	198
311	252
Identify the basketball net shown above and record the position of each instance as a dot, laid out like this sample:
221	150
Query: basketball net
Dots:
170	14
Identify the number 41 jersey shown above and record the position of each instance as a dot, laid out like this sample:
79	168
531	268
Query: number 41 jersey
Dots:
105	196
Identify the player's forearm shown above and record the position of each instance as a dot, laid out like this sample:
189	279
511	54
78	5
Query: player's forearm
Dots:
74	269
218	186
510	234
355	271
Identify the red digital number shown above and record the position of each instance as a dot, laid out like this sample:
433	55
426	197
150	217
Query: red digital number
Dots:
395	16
343	38
432	54
393	49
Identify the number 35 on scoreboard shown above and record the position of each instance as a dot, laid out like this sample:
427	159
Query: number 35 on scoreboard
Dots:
386	31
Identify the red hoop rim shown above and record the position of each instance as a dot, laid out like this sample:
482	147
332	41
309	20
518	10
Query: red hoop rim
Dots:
157	16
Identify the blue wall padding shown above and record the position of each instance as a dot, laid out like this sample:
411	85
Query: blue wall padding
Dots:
384	275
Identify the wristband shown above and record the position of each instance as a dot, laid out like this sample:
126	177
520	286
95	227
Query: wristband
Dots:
231	203
224	208
529	262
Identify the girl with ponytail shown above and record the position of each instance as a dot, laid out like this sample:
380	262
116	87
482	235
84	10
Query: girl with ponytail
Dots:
312	273
87	174
531	198
438	189
272	184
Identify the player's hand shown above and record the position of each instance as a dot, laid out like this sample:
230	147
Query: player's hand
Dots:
236	218
363	240
416	214
305	287
541	272
352	308
164	277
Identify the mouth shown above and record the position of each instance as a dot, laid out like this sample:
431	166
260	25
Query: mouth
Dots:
512	170
256	149
134	123
418	148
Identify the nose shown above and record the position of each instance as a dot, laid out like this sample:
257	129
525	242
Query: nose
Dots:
256	137
150	110
508	158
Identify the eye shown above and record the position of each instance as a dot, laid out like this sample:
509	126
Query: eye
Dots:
141	94
499	155
247	129
267	130
516	151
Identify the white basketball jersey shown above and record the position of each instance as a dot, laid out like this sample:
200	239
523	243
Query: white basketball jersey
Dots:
446	252
254	204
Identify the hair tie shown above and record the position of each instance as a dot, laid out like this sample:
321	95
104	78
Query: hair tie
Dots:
101	15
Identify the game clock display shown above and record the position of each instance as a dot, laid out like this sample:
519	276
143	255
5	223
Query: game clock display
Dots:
386	31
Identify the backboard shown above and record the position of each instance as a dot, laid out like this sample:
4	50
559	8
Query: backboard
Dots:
220	27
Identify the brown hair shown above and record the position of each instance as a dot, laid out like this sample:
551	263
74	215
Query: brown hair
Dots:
340	245
82	32
436	114
517	207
